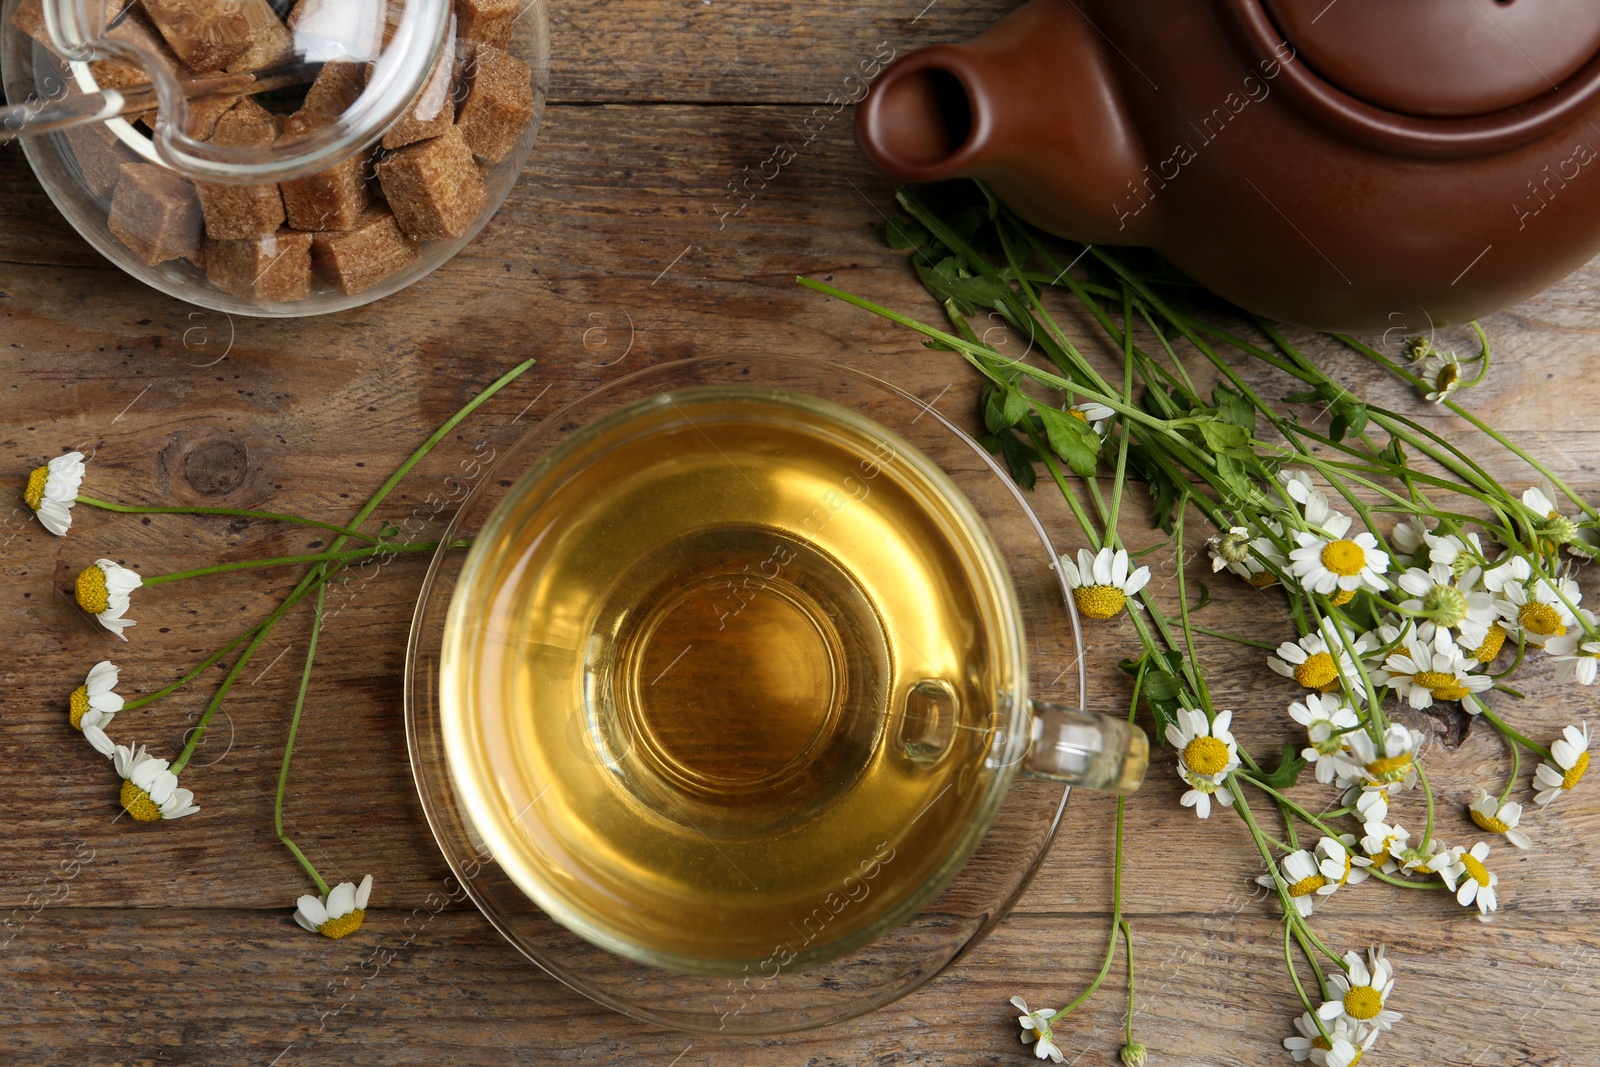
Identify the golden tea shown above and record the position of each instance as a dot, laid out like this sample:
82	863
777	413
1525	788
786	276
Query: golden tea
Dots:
722	676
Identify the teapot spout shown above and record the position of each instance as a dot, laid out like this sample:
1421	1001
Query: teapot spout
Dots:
1033	108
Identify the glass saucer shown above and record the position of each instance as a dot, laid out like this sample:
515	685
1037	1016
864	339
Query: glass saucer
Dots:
766	1000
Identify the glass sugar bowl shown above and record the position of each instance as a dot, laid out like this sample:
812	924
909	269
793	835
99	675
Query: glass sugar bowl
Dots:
276	158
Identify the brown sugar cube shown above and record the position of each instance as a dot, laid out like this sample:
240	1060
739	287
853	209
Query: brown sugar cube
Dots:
499	104
337	29
133	27
332	199
271	268
337	86
206	34
154	212
271	43
356	259
435	109
434	187
236	211
29	18
488	21
99	156
203	115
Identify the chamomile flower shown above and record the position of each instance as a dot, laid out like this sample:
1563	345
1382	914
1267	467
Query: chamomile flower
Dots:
1385	845
1429	670
1335	563
1207	754
1036	1031
1344	1044
1577	652
1406	540
52	490
1101	583
1097	415
1230	547
103	591
1319	660
1250	555
1497	818
1569	758
1296	485
1472	881
1437	595
1338	863
1372	806
1363	991
1327	719
1307	885
1440	374
1428	855
149	790
93	704
337	915
1554	527
1391	762
1537	608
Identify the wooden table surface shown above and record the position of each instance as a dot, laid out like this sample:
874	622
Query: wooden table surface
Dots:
173	944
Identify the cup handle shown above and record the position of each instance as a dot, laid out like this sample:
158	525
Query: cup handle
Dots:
1086	748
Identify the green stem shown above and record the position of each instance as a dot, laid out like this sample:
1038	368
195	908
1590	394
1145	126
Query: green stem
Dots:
271	516
199	731
1116	921
318	557
1506	729
1516	769
288	745
1127	946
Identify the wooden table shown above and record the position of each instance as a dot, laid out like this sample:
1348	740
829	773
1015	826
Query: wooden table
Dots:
624	243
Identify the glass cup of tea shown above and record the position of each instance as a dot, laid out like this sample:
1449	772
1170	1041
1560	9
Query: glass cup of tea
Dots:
733	683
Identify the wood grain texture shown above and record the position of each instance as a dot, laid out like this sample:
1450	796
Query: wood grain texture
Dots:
624	244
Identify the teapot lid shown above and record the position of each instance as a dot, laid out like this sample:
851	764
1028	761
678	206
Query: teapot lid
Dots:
1445	58
1434	79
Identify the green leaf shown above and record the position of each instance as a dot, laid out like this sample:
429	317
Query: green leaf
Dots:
1287	771
1234	409
1162	688
1072	439
909	233
947	281
1225	438
1020	457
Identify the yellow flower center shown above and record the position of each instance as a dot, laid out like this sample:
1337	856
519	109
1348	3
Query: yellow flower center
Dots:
1443	686
1363	1003
1206	755
78	704
1263	579
33	495
1318	672
1348	867
344	925
1447	377
1099	601
138	803
1541	619
1488	822
1475	867
93	596
1390	768
1323	1043
1344	557
1075	413
1342	597
1306	886
1493	642
1571	778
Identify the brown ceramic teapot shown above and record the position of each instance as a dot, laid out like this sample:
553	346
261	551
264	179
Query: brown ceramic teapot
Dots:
1341	164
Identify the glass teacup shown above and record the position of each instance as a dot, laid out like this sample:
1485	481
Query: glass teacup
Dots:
733	682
